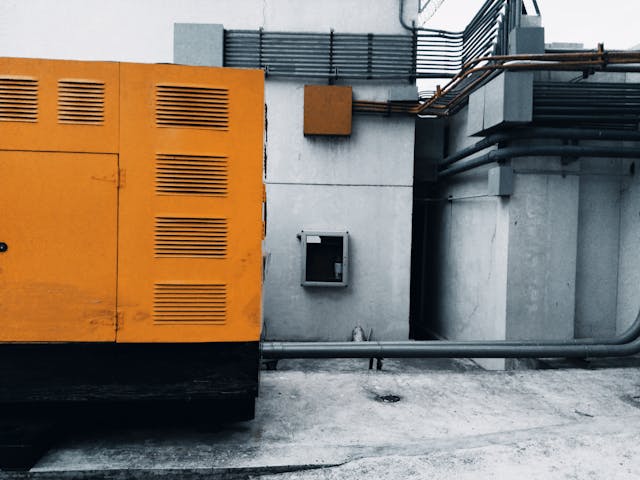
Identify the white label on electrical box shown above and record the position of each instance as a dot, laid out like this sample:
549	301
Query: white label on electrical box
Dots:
314	239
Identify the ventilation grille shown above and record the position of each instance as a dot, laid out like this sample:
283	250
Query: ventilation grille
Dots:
191	237
191	175
80	102
18	99
197	107
190	303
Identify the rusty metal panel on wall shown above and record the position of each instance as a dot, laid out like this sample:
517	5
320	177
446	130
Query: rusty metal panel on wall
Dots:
189	258
327	110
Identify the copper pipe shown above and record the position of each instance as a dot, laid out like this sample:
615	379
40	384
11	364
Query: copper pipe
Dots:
563	61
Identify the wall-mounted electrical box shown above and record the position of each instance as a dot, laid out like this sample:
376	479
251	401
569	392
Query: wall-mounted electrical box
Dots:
325	259
327	110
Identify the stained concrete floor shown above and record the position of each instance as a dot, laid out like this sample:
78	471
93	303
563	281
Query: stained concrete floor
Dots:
330	420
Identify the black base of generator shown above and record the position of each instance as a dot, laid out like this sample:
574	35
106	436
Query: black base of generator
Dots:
48	390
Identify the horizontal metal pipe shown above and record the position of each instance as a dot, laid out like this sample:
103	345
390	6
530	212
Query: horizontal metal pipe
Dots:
620	118
627	343
453	348
540	132
629	335
442	349
540	151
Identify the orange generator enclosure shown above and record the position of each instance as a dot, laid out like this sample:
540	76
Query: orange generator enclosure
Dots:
132	205
132	202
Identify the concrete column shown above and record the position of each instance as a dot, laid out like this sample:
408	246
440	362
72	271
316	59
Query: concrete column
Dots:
598	248
628	301
528	37
543	233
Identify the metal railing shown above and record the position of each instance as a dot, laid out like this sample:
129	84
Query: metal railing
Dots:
442	54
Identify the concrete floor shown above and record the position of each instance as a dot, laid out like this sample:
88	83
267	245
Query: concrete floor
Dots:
328	419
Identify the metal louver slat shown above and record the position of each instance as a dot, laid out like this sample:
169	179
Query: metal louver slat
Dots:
190	237
18	99
192	106
190	303
81	102
178	174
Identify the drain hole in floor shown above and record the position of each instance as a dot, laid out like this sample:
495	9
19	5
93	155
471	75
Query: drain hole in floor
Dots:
388	398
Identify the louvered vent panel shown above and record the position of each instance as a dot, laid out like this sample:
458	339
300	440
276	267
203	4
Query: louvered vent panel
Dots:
18	99
190	106
191	175
191	237
81	102
190	303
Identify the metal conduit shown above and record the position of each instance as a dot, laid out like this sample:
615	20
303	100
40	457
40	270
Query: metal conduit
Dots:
626	343
540	132
629	335
445	100
540	151
330	55
447	349
479	70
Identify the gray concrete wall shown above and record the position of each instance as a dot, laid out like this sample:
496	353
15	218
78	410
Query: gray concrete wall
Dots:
628	284
376	153
362	183
472	260
571	245
598	248
376	298
543	215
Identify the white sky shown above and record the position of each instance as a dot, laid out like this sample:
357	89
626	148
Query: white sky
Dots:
613	22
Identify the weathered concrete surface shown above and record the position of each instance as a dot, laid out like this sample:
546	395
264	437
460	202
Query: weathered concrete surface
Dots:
472	261
543	214
377	297
571	231
597	264
457	423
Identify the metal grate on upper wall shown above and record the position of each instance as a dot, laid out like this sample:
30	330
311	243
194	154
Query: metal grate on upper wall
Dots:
330	55
599	105
422	53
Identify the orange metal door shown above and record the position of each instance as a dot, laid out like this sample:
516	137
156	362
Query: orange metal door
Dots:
190	216
59	223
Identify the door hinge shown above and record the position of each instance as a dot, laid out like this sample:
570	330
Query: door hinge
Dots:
119	317
120	178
